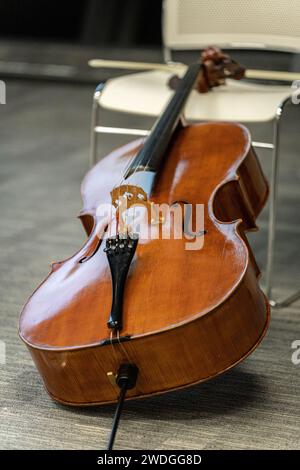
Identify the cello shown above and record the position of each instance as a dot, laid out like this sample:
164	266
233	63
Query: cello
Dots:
130	314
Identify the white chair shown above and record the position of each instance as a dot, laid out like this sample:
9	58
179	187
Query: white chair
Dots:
194	24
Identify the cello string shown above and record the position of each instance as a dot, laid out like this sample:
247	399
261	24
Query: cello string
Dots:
146	167
122	347
123	179
114	350
135	155
118	183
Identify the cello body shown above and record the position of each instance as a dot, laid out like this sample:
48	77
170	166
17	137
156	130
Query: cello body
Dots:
188	315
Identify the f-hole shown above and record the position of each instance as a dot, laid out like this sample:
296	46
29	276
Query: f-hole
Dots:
185	225
94	251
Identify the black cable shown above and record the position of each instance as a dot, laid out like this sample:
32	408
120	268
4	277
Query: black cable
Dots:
117	417
126	379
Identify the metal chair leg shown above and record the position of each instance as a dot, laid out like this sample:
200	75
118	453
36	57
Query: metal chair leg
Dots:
96	129
94	121
273	207
273	215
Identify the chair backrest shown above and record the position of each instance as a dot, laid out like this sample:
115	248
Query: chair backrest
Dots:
252	24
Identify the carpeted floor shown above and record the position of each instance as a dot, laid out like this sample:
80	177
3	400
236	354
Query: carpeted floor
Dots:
44	144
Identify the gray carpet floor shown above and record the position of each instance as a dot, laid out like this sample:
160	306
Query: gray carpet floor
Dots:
44	145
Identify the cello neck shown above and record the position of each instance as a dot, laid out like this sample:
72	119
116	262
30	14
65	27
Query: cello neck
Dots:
151	155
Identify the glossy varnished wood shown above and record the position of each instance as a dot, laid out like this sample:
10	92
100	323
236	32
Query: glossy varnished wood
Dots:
190	314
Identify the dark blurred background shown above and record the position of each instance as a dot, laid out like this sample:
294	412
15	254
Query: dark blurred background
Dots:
65	35
92	22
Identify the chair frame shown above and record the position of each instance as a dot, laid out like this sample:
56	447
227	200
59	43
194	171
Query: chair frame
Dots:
273	146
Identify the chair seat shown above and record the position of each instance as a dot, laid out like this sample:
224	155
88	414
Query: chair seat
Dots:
147	93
